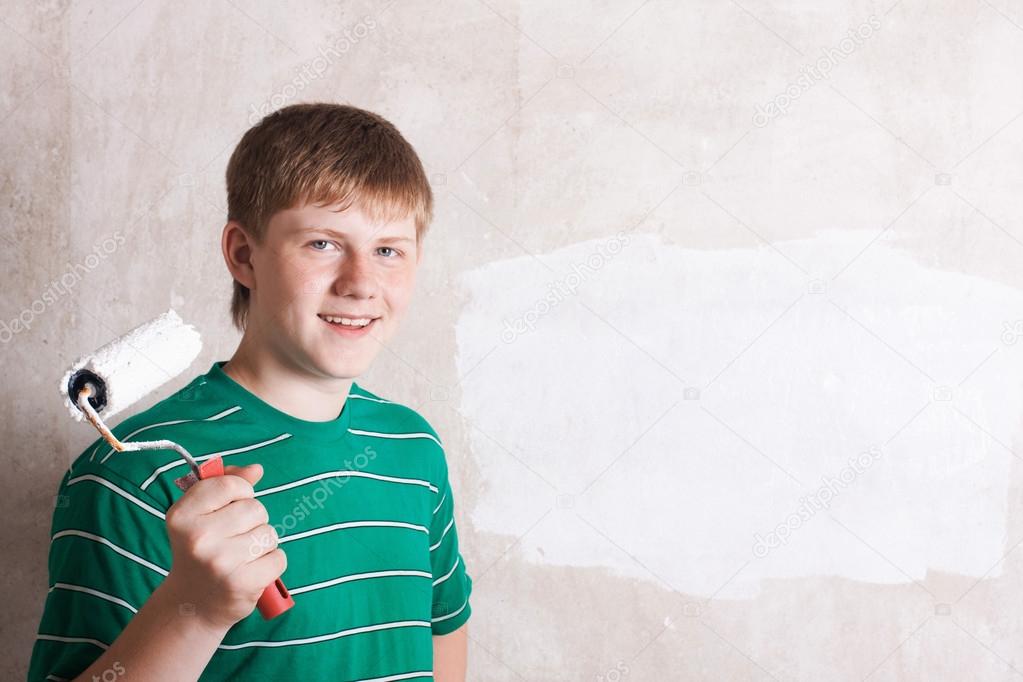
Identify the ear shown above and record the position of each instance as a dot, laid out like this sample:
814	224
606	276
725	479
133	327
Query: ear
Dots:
236	245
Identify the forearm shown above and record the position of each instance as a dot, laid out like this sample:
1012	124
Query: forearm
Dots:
450	654
163	642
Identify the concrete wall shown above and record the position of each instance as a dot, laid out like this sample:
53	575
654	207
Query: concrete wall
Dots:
720	316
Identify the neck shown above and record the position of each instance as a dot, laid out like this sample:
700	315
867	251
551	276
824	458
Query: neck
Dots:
291	389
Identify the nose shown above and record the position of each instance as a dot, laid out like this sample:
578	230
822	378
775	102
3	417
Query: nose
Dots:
356	277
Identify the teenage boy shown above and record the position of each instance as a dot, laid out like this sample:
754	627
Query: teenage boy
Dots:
343	494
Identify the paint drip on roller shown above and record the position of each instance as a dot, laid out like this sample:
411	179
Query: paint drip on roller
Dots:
132	366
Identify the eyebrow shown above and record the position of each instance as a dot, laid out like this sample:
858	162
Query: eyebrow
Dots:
341	235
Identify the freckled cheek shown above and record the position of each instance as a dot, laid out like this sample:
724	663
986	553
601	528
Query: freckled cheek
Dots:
306	282
398	289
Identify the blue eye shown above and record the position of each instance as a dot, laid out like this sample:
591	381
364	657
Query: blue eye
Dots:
388	248
319	241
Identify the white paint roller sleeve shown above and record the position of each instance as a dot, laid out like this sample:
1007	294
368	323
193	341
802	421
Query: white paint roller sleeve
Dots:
133	365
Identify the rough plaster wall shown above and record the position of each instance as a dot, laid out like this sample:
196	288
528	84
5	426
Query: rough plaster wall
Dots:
656	325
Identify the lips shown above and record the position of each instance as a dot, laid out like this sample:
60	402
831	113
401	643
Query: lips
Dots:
347	320
349	330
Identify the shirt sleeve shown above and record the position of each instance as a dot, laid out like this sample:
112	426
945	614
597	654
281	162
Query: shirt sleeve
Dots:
452	585
108	552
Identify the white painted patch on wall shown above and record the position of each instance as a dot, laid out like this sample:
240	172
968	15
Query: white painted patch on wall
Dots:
583	407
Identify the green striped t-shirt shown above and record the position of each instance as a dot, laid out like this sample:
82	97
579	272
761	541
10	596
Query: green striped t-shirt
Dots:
362	505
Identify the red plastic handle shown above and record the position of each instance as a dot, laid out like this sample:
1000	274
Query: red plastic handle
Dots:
275	599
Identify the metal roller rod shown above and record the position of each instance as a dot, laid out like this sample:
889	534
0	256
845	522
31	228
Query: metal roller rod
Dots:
120	446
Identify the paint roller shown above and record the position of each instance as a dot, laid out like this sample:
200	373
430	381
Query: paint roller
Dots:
115	376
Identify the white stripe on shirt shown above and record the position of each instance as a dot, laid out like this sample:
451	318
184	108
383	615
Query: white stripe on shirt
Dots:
402	676
123	552
446	529
74	640
450	615
328	637
107	484
358	576
377	434
95	593
215	417
353	524
224	453
447	575
345	474
366	397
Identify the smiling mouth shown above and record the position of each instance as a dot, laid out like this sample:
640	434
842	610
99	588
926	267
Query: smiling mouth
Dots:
348	322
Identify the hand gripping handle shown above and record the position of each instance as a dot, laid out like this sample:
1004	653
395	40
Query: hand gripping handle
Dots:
275	599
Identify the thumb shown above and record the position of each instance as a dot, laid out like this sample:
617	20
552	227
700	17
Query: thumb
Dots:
251	473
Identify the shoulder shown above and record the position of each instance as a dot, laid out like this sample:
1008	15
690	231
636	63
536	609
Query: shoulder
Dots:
174	417
390	423
371	411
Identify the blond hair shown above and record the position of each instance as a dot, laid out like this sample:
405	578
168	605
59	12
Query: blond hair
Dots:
326	154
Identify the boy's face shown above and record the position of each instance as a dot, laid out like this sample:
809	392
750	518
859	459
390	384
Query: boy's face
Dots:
316	264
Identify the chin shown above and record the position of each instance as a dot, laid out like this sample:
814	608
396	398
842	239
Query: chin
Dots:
341	369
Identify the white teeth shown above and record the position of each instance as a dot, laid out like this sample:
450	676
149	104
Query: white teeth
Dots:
347	321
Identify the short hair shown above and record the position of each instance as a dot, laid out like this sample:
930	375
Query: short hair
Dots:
323	153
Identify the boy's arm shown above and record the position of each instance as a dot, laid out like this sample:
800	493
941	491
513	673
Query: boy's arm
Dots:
105	560
452	586
449	655
164	641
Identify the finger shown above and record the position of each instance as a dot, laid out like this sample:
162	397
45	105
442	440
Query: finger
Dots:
239	550
258	541
256	575
236	517
210	494
251	472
